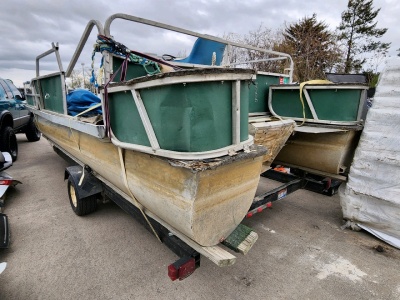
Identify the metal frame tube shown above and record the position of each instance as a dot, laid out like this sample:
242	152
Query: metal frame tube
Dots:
110	19
82	43
54	48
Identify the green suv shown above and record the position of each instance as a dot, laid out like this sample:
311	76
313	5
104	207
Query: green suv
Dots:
14	118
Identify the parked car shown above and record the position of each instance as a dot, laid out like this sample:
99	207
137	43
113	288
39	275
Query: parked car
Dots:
14	118
5	182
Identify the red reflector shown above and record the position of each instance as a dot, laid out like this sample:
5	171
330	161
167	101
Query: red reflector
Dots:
260	209
249	215
173	272
181	268
269	204
6	182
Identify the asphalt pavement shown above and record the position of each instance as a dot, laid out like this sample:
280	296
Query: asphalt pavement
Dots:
301	252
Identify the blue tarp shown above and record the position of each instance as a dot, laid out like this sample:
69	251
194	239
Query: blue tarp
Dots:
80	100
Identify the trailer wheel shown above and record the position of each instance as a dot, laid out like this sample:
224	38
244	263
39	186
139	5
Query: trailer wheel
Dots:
80	206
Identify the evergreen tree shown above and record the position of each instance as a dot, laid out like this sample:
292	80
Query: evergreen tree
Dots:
358	31
312	47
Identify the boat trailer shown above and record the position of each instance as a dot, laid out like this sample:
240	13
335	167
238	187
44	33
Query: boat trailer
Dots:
294	181
187	250
88	186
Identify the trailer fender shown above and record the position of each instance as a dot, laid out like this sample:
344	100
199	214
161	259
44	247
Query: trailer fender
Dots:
90	184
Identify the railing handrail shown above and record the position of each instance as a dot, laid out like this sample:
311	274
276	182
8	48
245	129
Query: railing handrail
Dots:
54	49
106	31
82	43
110	19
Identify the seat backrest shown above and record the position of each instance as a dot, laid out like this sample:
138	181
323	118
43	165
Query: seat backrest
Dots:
202	52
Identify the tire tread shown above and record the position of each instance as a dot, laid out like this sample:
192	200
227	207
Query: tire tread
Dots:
84	206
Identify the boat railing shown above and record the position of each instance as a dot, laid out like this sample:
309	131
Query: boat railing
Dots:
58	103
111	63
51	104
54	101
277	55
151	115
54	49
47	94
334	104
82	42
108	59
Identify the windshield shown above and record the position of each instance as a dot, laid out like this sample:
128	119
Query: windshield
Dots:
10	89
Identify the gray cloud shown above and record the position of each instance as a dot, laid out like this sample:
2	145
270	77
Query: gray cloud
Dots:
27	27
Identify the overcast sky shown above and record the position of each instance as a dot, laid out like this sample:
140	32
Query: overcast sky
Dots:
27	27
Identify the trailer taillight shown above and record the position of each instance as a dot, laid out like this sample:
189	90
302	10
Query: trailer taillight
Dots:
6	182
182	268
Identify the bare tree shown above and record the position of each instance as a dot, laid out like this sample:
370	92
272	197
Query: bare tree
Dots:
262	38
235	54
267	39
77	79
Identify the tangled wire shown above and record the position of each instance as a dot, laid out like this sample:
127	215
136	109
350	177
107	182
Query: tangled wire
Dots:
104	43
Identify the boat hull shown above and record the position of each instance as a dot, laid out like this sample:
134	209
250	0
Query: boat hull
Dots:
331	117
326	152
204	201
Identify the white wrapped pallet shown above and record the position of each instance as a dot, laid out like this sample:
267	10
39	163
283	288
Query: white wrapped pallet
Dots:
371	197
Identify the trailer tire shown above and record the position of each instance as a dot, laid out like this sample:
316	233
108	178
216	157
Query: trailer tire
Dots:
80	206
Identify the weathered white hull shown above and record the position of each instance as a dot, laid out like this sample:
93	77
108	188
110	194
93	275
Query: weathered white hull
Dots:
329	153
204	201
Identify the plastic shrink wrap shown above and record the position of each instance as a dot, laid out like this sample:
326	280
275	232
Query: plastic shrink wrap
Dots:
371	197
